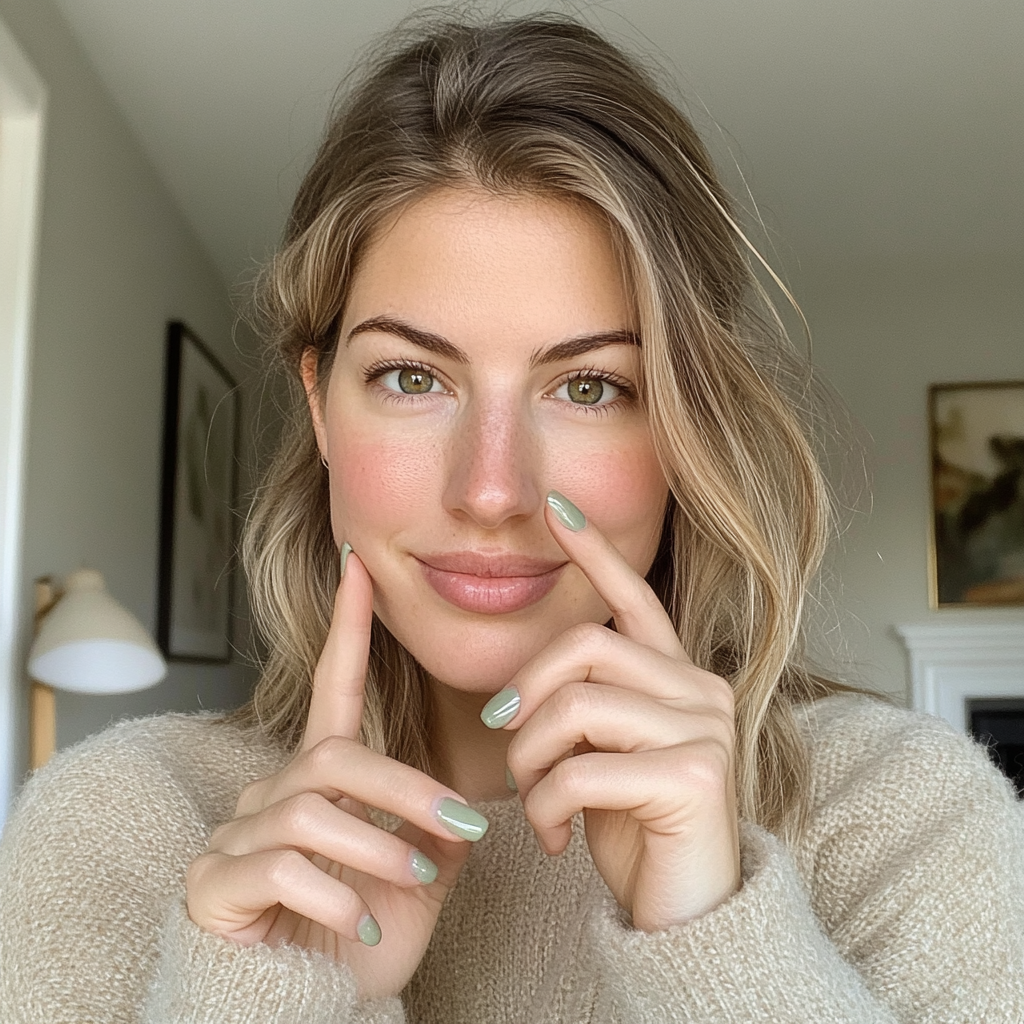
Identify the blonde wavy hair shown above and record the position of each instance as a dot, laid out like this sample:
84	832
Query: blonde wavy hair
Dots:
545	106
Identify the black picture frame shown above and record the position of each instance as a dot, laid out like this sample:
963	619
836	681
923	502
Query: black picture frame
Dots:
976	555
199	494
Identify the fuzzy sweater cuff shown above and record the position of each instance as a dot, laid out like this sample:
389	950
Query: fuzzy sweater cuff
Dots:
204	979
759	956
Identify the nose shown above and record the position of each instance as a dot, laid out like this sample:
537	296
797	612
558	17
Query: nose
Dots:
494	465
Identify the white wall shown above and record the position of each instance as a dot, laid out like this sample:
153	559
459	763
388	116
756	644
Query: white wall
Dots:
882	334
22	116
116	261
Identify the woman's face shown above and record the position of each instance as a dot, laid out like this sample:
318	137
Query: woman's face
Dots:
486	357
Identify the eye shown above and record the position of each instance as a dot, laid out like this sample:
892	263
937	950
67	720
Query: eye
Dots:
411	380
588	390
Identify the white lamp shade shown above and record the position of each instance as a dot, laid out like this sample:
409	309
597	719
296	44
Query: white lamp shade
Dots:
89	643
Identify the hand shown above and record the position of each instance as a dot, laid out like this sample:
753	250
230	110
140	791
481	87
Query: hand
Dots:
301	862
623	726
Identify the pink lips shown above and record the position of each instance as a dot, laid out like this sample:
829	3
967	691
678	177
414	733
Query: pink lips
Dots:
490	584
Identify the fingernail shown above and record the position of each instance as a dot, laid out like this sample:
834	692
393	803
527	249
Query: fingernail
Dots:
369	931
501	708
568	514
462	820
423	868
346	550
510	780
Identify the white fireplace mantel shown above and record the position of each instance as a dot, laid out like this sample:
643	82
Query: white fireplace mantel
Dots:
951	663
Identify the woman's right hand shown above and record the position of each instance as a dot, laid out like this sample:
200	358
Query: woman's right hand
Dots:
301	862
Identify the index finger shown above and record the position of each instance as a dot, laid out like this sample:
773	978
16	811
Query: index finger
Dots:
339	681
635	607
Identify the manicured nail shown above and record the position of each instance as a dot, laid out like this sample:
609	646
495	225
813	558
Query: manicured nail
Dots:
461	820
369	930
423	868
346	550
568	514
501	708
510	780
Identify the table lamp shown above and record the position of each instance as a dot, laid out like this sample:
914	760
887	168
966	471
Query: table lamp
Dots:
85	642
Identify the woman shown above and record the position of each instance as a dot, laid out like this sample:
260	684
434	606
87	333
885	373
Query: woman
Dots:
545	521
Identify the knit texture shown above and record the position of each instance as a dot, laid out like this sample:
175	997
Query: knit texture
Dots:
902	902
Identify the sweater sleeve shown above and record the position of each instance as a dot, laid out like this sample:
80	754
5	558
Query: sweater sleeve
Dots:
93	924
203	979
905	904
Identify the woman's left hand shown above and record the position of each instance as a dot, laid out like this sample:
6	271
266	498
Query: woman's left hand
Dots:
620	724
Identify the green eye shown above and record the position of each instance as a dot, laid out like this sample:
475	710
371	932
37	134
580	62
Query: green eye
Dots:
594	391
415	382
585	390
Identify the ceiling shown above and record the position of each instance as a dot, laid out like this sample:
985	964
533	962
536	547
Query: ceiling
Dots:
878	130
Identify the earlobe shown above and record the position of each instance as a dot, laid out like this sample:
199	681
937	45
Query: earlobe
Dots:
308	365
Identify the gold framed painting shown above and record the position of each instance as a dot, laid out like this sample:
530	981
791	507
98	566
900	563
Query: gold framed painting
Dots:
977	456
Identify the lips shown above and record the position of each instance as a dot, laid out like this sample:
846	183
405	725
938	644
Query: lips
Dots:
490	584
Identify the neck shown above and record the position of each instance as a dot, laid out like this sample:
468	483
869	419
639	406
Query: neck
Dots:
471	758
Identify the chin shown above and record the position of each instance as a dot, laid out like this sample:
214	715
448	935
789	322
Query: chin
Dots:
478	653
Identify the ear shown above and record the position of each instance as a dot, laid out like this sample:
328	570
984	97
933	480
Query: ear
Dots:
308	371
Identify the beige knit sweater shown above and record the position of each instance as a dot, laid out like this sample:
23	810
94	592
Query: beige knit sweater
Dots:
903	902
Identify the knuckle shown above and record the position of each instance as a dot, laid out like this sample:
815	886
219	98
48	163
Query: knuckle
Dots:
570	774
572	703
514	756
725	694
727	729
637	599
299	813
197	872
706	767
535	809
220	836
282	867
326	755
587	637
250	799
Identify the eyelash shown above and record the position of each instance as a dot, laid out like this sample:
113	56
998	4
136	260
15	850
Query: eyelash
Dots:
373	373
627	393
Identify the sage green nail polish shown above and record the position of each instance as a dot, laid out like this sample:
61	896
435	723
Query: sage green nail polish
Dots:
501	708
346	550
423	868
369	931
462	820
510	780
568	514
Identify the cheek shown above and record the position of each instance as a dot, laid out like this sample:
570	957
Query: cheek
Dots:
381	484
623	490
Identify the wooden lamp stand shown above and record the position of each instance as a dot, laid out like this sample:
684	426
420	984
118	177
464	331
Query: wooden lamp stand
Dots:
42	699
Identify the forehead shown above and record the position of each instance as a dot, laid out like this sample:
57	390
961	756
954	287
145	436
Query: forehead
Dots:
478	267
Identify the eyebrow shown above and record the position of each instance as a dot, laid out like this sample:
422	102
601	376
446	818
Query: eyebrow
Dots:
441	346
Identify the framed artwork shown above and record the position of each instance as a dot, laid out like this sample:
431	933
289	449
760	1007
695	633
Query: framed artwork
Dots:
199	494
977	450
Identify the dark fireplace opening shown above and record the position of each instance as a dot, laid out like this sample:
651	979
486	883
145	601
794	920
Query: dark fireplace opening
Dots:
999	724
